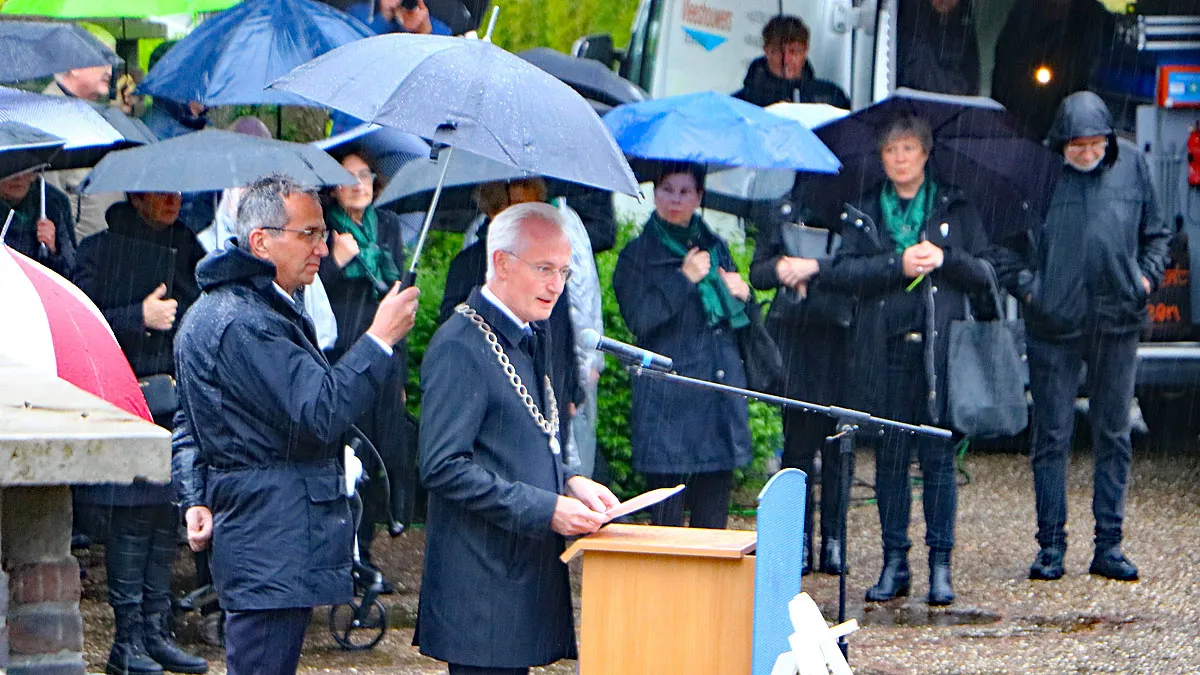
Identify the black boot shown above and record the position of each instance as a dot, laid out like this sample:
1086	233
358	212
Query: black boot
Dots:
831	557
894	580
941	592
160	645
128	655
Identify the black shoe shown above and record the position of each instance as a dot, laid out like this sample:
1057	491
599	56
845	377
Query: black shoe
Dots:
128	655
831	557
894	580
365	575
1048	566
160	645
79	541
941	591
1112	564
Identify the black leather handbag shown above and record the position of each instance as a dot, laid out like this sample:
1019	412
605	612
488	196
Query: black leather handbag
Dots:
760	355
159	391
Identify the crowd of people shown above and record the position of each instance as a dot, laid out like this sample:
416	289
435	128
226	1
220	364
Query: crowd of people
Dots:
268	322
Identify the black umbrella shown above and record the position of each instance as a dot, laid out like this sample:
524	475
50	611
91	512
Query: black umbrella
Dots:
90	130
23	147
587	76
31	49
211	160
1008	177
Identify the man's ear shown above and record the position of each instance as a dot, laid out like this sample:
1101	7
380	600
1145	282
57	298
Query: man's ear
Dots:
500	264
258	243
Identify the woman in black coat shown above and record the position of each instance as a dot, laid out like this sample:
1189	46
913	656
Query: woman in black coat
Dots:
680	294
812	338
141	273
909	254
366	256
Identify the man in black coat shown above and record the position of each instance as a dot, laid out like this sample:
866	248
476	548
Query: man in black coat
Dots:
783	72
1084	276
936	46
495	598
49	240
258	443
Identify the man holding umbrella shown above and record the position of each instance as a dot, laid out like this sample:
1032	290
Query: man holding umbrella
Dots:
45	234
1084	276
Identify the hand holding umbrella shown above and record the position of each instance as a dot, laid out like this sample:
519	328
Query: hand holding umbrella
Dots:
45	228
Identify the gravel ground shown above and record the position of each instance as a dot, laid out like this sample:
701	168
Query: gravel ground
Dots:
1001	622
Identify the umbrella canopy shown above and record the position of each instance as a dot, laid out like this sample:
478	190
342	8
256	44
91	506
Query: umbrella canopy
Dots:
62	333
211	159
587	76
29	50
472	95
231	57
1008	177
811	115
411	188
715	130
77	9
87	134
22	148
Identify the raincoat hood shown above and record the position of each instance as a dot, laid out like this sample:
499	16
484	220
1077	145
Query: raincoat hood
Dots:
231	265
1083	114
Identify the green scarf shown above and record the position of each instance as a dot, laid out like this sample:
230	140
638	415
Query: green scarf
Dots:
904	224
719	304
372	262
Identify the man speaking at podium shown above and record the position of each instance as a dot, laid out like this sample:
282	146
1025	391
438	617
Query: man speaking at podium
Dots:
495	598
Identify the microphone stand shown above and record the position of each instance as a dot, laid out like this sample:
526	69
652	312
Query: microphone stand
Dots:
849	423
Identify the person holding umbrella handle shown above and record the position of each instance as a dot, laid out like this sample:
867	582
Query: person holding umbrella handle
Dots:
42	227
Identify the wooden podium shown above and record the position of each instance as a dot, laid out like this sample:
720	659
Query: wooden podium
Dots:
666	600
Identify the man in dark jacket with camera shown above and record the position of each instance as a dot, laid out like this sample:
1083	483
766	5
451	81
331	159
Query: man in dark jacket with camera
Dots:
258	449
1084	277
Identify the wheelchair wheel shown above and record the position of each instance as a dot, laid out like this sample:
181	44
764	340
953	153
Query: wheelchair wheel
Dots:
354	634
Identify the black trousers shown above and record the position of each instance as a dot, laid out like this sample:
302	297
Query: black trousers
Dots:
456	669
394	438
706	495
1054	381
804	435
265	642
140	557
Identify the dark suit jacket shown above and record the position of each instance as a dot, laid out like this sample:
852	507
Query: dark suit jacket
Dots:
494	592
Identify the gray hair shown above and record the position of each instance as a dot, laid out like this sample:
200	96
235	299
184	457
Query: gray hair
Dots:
507	233
906	126
262	204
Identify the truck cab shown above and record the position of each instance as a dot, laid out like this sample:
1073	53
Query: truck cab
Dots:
1149	73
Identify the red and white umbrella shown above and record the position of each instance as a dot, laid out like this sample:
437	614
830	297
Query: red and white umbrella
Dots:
49	324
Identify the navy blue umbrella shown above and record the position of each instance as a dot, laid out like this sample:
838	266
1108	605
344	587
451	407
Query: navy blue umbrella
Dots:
1008	177
232	56
716	131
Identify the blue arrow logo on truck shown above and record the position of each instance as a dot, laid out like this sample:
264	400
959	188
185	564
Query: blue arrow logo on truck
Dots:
709	41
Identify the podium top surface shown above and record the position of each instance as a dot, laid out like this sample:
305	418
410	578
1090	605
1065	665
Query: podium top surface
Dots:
650	539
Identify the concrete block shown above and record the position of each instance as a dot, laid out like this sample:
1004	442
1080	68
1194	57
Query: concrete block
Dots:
36	524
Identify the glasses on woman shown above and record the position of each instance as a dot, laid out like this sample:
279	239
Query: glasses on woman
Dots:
545	272
365	177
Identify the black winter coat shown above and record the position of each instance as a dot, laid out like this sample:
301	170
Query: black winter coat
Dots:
1081	269
868	266
813	348
762	88
22	234
494	592
117	268
680	429
259	437
936	53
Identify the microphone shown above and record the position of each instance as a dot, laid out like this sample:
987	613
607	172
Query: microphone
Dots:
625	352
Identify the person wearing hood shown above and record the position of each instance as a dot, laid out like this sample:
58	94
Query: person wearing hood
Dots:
1084	276
783	72
936	47
141	273
910	254
257	452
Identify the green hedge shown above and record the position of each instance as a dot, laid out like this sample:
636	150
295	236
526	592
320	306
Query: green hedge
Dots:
523	24
614	399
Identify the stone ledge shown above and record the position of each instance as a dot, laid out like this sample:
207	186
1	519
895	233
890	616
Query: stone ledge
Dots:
64	663
45	628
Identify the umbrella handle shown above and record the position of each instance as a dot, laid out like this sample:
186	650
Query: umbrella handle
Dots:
410	278
7	222
487	37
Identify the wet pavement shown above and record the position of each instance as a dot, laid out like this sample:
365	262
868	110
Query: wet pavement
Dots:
1000	623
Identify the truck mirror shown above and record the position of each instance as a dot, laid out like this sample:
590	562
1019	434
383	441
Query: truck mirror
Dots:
598	47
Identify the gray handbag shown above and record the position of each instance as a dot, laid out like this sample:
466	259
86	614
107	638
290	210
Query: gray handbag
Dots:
987	375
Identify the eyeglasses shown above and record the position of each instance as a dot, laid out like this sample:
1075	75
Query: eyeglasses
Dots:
1094	146
545	272
311	234
365	177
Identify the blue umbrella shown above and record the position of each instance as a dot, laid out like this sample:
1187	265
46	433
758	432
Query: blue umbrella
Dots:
976	146
231	57
717	131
